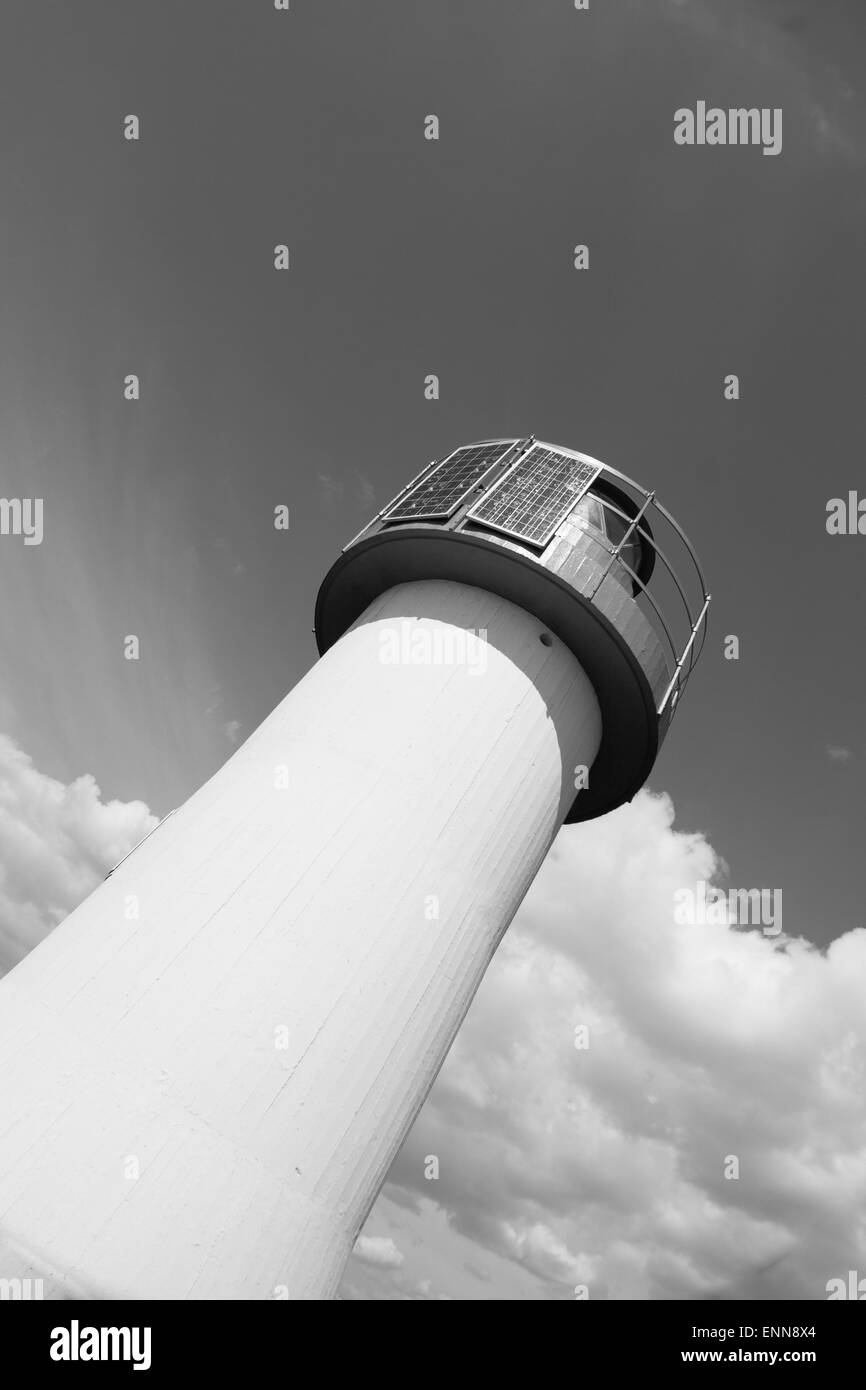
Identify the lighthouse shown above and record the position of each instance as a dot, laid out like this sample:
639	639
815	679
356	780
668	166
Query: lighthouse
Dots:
208	1068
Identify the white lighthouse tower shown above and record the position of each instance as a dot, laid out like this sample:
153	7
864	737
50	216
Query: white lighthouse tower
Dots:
207	1069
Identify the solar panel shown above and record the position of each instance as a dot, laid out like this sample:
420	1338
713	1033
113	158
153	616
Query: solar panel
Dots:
438	495
531	499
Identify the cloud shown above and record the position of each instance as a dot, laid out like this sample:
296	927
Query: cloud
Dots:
787	41
330	490
379	1251
839	755
231	729
709	1142
366	493
57	843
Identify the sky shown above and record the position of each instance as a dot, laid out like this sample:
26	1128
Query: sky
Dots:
306	388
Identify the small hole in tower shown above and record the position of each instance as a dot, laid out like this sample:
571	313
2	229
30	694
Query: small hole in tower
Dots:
546	640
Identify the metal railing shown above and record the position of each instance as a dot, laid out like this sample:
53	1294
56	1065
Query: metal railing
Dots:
649	507
651	542
684	656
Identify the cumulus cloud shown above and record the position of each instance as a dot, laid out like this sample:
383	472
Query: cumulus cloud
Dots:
838	755
378	1250
640	1106
705	1139
57	843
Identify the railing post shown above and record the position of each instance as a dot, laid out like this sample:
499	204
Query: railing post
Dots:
615	552
686	649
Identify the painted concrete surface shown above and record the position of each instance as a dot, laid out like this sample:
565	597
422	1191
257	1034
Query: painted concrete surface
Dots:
207	1069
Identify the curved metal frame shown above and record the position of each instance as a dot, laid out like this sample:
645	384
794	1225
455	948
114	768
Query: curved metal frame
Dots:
647	503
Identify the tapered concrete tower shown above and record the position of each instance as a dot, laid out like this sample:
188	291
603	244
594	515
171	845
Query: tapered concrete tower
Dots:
207	1069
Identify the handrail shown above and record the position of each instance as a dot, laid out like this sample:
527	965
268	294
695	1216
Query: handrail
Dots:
651	541
621	544
648	505
675	677
624	478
